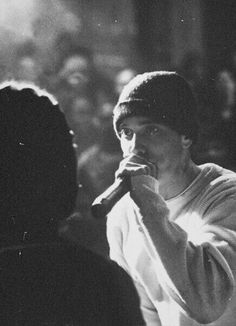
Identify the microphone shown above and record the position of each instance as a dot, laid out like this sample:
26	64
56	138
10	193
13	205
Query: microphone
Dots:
103	204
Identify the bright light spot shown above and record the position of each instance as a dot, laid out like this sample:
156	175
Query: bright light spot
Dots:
71	132
29	19
17	16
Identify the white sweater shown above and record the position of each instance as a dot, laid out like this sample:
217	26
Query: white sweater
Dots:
181	253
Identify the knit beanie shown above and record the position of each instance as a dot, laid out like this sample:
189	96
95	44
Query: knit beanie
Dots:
163	96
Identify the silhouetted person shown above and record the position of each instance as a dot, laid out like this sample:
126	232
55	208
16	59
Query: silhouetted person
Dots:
45	280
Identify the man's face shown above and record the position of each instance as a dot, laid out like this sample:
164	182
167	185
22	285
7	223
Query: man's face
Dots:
155	142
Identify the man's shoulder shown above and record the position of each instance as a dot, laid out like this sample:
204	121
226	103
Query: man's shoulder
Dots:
218	174
218	184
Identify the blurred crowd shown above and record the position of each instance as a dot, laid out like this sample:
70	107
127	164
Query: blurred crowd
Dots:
216	96
87	96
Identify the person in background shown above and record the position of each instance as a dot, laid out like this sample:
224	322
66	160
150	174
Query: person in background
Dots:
174	232
122	78
224	131
45	279
82	91
27	64
76	90
95	170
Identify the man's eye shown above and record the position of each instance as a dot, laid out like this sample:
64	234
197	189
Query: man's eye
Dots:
126	132
152	130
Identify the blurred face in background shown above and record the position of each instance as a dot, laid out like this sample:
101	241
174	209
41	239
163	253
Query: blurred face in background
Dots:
81	111
122	78
76	71
28	69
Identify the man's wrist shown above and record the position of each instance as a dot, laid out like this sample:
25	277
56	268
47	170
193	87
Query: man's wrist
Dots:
151	182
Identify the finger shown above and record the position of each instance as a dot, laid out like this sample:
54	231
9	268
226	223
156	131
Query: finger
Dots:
135	159
134	165
143	161
132	169
152	170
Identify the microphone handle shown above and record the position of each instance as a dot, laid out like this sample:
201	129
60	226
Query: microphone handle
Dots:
103	204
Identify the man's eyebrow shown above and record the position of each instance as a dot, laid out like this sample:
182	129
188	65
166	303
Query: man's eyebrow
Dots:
142	123
123	124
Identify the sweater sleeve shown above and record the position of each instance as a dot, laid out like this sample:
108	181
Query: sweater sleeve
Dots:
198	276
116	230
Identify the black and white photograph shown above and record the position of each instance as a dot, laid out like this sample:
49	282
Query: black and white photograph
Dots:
117	162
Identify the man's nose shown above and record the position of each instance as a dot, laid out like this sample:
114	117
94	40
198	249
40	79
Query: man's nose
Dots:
137	146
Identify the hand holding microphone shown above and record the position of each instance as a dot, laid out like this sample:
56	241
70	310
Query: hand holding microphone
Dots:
130	166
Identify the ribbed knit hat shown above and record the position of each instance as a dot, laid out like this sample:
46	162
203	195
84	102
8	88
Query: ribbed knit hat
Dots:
163	96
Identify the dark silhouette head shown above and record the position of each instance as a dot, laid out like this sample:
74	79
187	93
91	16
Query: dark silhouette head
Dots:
37	163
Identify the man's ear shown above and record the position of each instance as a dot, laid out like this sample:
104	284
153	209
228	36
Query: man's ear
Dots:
186	142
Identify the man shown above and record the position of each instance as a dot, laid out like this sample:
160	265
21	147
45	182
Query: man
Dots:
175	232
43	279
